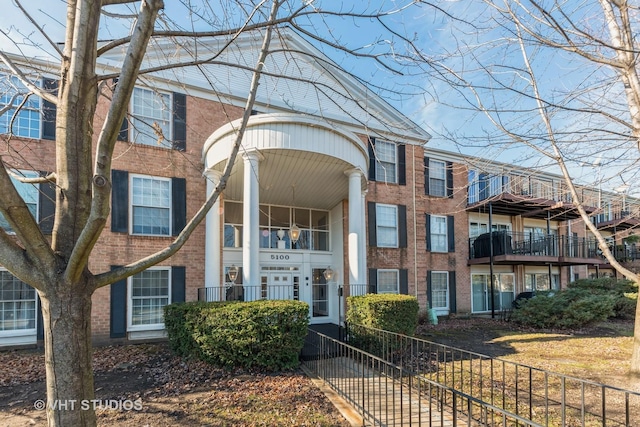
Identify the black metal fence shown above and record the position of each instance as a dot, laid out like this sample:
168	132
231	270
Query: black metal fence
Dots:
386	393
522	392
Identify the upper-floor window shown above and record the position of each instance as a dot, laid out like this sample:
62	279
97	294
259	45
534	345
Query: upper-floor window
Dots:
151	121
147	205
386	161
27	121
29	194
150	205
437	178
387	225
438	233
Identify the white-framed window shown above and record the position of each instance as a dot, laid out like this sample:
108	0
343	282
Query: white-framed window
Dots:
387	226
28	121
388	281
150	205
149	293
151	121
29	193
439	233
540	282
478	228
437	178
440	290
503	291
386	161
18	302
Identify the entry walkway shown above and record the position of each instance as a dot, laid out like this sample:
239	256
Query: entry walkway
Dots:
379	398
385	394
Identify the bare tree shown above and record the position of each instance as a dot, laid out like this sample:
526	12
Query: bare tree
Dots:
557	78
58	268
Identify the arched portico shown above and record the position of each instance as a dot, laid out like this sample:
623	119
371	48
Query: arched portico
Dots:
301	165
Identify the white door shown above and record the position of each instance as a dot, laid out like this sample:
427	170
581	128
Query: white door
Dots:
280	285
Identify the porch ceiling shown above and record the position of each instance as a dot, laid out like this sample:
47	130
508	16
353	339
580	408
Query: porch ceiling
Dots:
319	180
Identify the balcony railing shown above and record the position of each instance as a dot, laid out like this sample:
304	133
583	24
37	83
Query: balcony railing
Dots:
531	244
240	292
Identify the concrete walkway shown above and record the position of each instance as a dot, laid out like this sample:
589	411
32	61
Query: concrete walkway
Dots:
378	398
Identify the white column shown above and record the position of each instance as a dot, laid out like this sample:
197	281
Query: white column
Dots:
212	245
251	225
356	278
362	266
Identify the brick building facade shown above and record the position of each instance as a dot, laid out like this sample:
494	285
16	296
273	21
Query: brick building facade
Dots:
372	202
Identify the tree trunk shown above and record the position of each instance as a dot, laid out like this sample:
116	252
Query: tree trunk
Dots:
635	352
66	313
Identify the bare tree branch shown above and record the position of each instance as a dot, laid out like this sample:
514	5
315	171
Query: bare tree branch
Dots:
20	75
140	265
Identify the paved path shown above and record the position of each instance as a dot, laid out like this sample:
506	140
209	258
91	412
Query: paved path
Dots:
380	397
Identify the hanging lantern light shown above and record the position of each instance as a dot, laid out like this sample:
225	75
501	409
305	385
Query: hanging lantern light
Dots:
328	274
294	231
233	273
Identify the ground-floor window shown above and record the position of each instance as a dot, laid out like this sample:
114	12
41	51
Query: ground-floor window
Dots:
540	282
440	290
17	305
388	282
149	292
503	291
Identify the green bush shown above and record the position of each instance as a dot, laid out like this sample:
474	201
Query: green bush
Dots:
264	334
625	293
388	312
570	308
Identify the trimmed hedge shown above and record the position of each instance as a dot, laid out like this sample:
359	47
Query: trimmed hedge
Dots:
388	312
263	334
583	302
391	312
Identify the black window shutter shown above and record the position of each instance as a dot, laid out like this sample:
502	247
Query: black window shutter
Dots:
451	244
118	309
372	159
402	226
123	135
179	121
426	175
40	321
449	179
428	227
404	281
179	204
49	110
178	287
452	292
47	201
373	239
429	289
373	280
119	201
402	165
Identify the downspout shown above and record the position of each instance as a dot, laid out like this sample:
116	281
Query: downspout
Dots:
491	285
415	226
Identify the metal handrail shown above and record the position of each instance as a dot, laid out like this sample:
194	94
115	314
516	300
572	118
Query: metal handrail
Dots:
385	394
542	396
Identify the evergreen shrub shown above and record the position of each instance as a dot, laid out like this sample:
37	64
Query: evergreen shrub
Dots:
258	334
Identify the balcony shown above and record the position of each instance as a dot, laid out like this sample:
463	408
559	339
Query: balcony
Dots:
617	220
514	248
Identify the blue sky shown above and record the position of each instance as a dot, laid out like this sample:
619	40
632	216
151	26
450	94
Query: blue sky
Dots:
430	102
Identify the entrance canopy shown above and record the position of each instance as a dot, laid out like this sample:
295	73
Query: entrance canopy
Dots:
301	157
